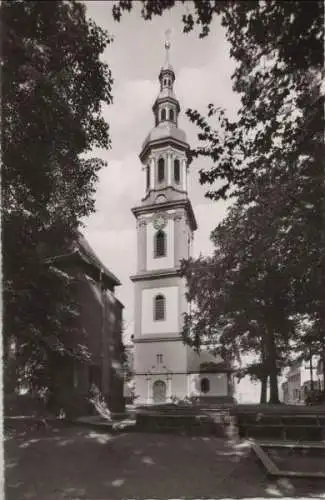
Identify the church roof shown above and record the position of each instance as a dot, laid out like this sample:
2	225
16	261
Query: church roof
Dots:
165	130
165	93
88	254
80	251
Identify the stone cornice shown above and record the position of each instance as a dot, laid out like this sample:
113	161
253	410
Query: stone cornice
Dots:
162	191
156	338
168	205
156	274
169	141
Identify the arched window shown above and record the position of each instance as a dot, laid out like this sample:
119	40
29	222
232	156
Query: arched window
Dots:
160	244
163	114
205	385
177	173
148	177
165	81
161	170
159	308
171	115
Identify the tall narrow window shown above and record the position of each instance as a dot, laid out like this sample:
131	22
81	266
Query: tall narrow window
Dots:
163	114
177	173
160	244
161	170
171	115
159	308
148	176
160	359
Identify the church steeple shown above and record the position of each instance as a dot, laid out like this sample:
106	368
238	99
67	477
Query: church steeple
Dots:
166	107
163	365
164	150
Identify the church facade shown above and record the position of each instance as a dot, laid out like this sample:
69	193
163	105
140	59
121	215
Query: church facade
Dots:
164	367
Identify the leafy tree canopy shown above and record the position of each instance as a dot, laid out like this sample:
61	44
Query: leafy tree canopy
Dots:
53	88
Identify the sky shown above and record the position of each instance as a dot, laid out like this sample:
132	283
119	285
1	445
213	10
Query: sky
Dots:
203	71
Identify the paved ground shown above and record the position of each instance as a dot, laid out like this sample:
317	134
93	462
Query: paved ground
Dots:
80	463
297	460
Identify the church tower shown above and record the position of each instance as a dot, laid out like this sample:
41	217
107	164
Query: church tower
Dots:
165	227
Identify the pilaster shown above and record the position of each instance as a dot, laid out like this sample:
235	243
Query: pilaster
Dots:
184	174
177	237
142	244
169	169
152	173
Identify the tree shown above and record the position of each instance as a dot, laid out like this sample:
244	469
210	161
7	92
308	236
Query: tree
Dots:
53	87
243	303
273	155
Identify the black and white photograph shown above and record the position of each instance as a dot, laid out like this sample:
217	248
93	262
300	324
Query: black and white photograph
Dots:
163	249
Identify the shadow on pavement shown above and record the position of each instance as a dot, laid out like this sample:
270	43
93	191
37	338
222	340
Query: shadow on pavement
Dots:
75	462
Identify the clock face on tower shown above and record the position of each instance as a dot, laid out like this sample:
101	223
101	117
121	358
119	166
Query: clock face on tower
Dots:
159	221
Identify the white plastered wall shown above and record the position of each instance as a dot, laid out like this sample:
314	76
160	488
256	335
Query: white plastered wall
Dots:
154	263
171	323
218	384
175	385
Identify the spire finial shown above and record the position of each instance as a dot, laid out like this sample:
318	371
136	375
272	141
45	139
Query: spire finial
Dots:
167	44
167	39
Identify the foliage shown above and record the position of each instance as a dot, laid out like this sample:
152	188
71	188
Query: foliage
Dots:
242	302
53	87
271	158
200	13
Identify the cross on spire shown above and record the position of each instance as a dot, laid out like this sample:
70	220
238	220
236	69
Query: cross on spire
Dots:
167	39
167	44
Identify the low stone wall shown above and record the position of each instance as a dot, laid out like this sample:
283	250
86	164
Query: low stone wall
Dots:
281	423
187	421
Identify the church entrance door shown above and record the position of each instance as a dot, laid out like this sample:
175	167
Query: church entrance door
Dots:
159	392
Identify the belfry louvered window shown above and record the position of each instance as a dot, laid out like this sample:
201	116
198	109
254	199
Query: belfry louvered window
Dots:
160	244
161	170
159	308
177	173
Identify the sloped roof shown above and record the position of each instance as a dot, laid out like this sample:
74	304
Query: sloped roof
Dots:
88	254
165	130
81	250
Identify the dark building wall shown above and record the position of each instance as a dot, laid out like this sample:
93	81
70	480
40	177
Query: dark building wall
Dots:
112	353
101	331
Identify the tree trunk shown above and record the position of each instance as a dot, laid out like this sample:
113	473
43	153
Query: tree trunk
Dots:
264	378
323	360
263	390
311	370
272	358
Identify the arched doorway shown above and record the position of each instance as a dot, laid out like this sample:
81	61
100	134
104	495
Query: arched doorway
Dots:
159	392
